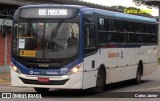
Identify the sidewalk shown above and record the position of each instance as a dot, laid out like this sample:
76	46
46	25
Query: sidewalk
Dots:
5	78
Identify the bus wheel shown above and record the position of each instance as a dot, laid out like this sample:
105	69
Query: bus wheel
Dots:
41	90
138	75
100	82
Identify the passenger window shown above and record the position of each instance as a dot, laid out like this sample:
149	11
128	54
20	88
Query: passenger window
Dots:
146	28
101	24
112	38
147	38
89	36
122	37
120	25
140	38
132	38
153	39
111	25
130	26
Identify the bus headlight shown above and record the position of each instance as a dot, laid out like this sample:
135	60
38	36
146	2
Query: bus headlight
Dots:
73	70
14	68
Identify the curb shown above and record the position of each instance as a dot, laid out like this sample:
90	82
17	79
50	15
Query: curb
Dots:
5	78
4	81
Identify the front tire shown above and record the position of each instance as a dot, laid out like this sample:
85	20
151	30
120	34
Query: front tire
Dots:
100	82
41	90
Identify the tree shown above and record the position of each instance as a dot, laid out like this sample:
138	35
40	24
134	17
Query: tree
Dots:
148	3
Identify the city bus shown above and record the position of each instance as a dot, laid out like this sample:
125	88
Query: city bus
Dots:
76	47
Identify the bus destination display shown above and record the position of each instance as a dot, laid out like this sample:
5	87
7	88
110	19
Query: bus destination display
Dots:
47	12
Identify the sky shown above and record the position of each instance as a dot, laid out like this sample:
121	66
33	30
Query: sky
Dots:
126	3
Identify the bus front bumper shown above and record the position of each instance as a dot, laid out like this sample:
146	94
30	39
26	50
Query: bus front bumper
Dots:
73	81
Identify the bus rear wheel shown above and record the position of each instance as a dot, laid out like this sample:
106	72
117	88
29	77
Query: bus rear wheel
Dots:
100	82
137	80
41	90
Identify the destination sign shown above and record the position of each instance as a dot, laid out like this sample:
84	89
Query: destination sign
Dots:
50	12
47	12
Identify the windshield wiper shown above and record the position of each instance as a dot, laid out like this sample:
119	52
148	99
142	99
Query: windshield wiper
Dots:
54	31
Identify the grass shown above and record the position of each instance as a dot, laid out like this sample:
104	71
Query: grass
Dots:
158	60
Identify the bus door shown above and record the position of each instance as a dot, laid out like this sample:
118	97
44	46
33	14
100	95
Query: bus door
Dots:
90	55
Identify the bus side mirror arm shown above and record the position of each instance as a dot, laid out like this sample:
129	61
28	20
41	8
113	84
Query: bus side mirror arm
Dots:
4	31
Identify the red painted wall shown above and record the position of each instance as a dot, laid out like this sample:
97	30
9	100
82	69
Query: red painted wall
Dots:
2	49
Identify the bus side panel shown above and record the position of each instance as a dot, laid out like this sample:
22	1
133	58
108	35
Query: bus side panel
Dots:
121	73
108	57
127	66
127	59
154	58
89	79
143	54
105	56
90	73
153	67
150	66
146	69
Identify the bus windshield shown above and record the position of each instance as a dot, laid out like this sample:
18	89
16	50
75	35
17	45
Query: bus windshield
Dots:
45	40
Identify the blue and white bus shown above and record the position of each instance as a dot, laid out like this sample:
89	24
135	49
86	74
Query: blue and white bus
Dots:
77	47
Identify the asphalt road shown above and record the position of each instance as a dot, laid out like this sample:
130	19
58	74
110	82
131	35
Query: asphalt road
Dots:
126	90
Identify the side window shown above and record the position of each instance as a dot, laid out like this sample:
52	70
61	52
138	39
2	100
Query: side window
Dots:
150	28
154	34
132	38
111	25
112	38
147	38
145	28
139	27
140	38
92	36
155	28
130	26
101	24
102	30
153	39
120	25
122	37
89	36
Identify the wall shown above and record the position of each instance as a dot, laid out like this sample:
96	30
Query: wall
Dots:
2	49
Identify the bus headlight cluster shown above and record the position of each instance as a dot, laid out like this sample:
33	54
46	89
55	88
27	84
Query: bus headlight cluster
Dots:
74	70
14	68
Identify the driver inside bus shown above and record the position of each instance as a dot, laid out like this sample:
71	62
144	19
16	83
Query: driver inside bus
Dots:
66	35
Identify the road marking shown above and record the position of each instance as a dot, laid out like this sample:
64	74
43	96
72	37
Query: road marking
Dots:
144	89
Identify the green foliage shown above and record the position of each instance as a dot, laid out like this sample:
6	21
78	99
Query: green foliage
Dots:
158	60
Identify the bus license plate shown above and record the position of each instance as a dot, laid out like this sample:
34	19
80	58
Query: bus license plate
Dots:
43	79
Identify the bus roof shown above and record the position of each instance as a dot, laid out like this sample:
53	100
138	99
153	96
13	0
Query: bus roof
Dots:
99	11
54	5
125	16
